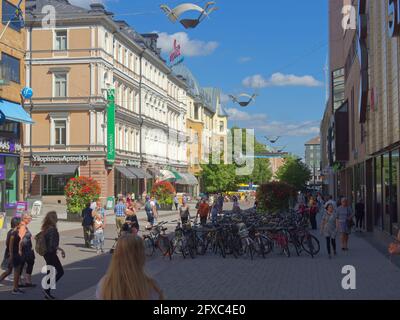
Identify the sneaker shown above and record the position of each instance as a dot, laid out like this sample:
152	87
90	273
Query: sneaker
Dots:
17	292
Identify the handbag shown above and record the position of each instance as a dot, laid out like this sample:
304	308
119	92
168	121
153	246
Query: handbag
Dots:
5	264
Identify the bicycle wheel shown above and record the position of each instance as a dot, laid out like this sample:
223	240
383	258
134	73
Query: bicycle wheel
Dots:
259	246
296	244
268	244
149	247
310	245
164	244
221	248
286	251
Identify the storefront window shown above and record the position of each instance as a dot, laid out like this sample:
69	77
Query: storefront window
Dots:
394	179
11	181
54	185
386	195
378	192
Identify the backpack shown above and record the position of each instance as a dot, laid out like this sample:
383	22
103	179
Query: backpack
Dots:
40	247
147	206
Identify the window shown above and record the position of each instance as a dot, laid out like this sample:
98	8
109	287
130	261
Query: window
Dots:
14	65
106	42
221	126
9	14
55	185
60	85
61	40
60	127
338	88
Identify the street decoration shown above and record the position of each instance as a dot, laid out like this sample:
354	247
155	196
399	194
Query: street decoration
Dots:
79	192
176	57
273	139
176	13
243	99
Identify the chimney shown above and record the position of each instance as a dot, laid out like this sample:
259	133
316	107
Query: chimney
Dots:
97	7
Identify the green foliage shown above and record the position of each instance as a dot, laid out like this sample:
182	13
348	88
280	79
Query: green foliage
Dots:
79	192
164	192
219	177
295	173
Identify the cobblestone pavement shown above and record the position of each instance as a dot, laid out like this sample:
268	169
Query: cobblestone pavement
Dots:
212	278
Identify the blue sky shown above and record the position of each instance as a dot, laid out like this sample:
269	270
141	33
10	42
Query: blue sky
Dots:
275	48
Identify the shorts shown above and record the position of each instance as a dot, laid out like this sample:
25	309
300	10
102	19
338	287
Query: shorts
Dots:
17	261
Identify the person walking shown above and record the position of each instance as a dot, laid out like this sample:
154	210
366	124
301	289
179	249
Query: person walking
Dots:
214	213
331	201
120	214
52	240
360	214
126	278
154	209
313	214
176	202
149	211
98	233
87	224
345	222
203	212
131	218
12	256
329	227
184	212
28	255
101	210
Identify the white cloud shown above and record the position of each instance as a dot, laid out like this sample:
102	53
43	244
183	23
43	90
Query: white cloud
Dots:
189	47
244	59
238	115
281	80
224	98
259	122
277	128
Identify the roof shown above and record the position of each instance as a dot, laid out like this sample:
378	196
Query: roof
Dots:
314	141
212	97
183	73
222	112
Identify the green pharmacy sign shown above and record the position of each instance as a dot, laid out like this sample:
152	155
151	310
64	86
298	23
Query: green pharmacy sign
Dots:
111	126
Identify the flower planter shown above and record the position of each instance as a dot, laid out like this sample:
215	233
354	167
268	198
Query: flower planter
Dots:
74	217
166	207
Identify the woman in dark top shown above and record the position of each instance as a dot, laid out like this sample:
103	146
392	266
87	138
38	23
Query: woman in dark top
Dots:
52	237
12	255
28	255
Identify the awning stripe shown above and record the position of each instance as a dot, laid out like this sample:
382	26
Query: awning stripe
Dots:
53	169
126	172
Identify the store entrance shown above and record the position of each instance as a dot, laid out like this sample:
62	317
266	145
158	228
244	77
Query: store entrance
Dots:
2	196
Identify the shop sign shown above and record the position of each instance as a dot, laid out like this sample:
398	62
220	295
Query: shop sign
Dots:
66	159
111	126
10	146
21	208
110	203
2	171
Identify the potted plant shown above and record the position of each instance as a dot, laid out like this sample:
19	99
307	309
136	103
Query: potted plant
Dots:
274	197
80	191
164	193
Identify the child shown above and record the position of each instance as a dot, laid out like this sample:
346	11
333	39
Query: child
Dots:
99	233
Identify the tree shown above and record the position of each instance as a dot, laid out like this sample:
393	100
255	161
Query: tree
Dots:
219	177
262	172
294	172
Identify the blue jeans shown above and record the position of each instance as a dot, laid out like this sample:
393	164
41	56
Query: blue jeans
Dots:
99	239
150	218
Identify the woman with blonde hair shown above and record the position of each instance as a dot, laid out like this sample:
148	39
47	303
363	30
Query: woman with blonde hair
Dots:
126	278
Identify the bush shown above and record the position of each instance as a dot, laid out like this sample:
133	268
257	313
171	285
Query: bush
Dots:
79	192
164	192
274	196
